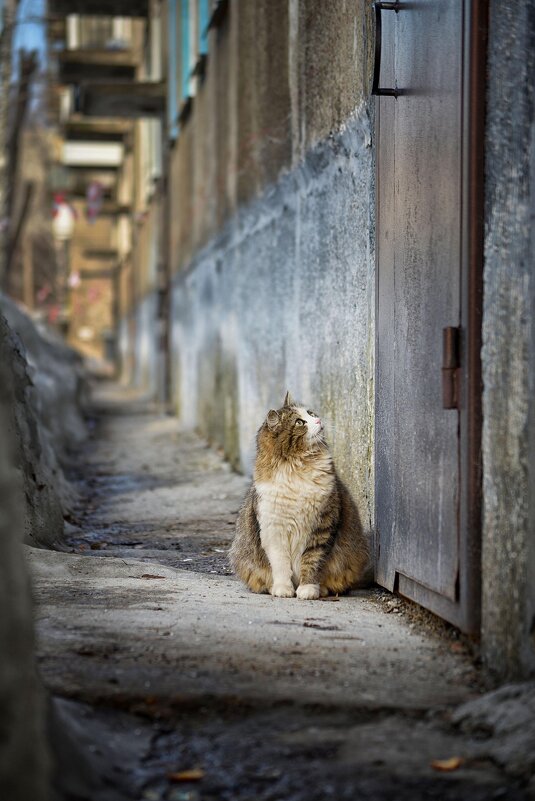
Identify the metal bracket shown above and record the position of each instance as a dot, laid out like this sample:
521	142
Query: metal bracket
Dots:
376	90
450	367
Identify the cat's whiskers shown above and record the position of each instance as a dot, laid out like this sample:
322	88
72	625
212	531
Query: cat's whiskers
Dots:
330	428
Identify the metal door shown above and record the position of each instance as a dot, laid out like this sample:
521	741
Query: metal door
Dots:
426	545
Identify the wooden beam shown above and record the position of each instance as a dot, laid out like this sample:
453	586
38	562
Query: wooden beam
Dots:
115	8
78	190
129	100
105	254
104	169
77	135
100	57
76	73
76	66
94	129
99	273
111	209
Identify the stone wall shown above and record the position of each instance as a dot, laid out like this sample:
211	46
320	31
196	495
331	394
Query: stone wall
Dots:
508	547
41	477
43	395
146	344
25	762
51	395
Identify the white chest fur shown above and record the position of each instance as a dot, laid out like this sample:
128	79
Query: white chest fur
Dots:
290	506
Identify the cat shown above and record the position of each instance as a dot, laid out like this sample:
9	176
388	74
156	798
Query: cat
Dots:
298	530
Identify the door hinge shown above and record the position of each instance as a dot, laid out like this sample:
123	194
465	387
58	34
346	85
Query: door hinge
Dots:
451	340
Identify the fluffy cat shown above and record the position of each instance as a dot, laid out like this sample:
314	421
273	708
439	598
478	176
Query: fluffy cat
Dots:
298	531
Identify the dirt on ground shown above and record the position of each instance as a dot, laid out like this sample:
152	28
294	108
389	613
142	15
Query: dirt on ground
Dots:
171	682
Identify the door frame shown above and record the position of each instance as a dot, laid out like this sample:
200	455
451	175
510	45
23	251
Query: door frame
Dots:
465	612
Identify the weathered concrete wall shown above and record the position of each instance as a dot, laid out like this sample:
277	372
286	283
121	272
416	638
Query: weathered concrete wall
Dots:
146	257
56	370
508	622
24	754
281	76
282	299
126	349
271	191
43	486
146	344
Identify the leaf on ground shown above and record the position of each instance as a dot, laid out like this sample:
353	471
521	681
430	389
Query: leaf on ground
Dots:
151	576
192	775
445	765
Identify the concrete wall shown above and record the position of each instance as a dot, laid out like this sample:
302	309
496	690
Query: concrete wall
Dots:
146	257
125	349
25	769
50	393
42	399
508	624
281	76
283	298
146	344
271	236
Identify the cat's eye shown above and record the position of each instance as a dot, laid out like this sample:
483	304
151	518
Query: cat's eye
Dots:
311	413
300	422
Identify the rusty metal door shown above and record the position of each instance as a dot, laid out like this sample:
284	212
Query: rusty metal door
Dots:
426	546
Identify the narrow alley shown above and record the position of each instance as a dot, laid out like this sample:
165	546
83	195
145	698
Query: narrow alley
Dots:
206	207
181	685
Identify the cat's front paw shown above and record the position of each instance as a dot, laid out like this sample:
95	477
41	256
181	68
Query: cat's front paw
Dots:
308	592
280	590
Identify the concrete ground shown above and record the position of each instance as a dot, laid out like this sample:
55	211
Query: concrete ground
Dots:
160	662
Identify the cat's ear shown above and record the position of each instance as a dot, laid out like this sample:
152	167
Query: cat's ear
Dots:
288	400
272	418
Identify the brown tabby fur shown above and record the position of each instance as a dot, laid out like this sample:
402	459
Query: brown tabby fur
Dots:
334	551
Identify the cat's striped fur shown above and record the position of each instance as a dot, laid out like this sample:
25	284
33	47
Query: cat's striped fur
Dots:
298	531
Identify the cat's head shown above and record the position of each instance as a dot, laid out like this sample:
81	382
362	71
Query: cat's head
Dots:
292	429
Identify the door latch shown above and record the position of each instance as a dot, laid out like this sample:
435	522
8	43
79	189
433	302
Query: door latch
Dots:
450	367
376	90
